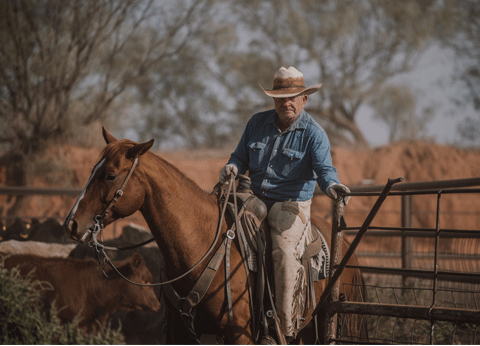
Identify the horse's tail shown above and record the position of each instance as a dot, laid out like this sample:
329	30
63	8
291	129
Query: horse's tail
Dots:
355	325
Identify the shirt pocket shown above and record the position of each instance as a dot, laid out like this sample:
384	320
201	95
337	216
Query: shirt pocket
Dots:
257	153
292	162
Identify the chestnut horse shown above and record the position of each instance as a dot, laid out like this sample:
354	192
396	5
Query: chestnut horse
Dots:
183	220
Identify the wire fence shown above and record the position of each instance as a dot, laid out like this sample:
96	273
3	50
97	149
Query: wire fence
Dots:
426	292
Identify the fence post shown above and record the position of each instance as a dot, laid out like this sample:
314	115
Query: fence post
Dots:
407	242
330	322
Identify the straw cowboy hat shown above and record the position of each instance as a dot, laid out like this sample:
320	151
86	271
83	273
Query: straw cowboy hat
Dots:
289	83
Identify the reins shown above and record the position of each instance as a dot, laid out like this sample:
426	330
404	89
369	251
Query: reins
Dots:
98	227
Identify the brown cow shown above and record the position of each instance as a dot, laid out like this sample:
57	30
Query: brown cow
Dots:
80	289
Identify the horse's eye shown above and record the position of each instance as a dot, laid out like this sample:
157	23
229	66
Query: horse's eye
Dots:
111	177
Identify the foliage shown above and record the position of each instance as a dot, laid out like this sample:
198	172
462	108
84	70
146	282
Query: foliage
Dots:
461	32
65	64
24	319
353	47
186	72
395	105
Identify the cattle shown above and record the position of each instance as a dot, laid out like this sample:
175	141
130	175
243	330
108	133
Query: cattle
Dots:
18	230
3	230
48	231
138	327
80	288
36	248
133	234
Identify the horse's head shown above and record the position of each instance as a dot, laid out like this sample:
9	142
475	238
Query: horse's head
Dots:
98	201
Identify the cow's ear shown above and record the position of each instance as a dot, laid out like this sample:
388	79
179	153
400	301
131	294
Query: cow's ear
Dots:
136	260
139	149
107	136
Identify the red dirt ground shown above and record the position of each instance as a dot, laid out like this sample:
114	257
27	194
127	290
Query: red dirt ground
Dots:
415	161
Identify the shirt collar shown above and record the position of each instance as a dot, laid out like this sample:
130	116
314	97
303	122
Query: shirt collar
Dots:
300	123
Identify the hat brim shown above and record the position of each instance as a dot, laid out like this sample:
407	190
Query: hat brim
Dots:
291	92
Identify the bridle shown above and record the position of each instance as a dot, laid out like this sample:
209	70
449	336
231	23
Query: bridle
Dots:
98	227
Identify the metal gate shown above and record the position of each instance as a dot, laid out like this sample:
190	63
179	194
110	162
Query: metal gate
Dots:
464	317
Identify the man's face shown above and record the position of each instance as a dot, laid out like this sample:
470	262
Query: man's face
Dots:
289	108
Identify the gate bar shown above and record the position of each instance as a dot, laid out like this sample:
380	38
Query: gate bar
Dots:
409	311
25	191
438	184
472	278
417	232
355	242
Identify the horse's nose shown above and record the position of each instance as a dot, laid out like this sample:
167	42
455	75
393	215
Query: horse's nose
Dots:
71	226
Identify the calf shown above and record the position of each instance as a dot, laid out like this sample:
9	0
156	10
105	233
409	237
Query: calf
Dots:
80	289
138	327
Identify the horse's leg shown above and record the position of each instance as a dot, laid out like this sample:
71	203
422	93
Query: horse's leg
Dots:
308	334
169	337
177	333
239	330
236	334
355	325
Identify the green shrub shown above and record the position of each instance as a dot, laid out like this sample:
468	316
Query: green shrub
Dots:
24	319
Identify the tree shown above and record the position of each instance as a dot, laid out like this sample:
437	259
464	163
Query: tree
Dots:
65	63
396	106
179	106
353	47
461	32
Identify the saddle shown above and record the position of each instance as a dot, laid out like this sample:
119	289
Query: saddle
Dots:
254	240
250	233
253	226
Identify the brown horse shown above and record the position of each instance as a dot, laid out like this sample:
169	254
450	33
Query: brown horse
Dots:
183	220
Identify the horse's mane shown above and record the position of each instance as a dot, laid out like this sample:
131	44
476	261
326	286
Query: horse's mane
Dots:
175	170
112	148
125	144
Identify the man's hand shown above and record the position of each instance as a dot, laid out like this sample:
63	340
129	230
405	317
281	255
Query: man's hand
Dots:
332	191
226	172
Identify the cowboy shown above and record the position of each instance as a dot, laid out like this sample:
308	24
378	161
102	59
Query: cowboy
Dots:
286	152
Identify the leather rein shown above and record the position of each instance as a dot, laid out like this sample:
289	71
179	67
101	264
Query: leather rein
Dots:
98	227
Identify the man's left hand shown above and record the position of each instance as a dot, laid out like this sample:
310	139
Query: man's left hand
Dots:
332	191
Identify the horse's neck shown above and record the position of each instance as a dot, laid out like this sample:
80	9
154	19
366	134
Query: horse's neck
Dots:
182	218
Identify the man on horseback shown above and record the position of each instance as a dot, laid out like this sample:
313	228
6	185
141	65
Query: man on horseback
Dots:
286	152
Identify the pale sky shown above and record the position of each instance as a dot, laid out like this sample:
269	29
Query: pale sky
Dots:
431	80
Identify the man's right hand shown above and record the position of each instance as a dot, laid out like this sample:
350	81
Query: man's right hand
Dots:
226	172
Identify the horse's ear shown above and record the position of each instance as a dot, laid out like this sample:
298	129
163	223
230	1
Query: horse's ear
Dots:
108	137
139	149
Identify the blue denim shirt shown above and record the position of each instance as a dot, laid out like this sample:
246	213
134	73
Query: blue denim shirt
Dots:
284	165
